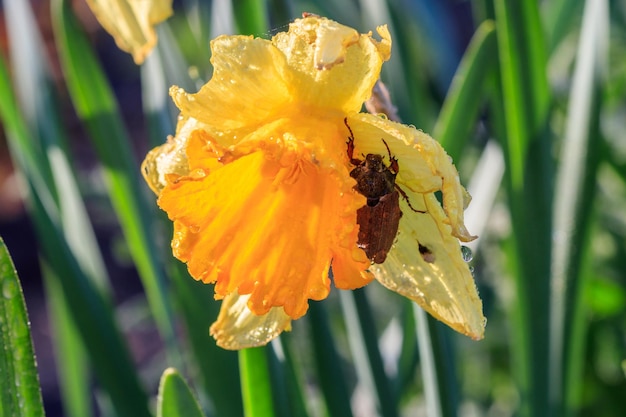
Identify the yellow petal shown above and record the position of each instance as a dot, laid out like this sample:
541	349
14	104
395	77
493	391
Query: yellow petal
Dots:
426	265
238	328
169	160
261	228
246	89
318	66
331	65
257	185
131	22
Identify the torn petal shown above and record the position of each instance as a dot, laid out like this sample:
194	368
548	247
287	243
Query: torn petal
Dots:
331	65
237	327
426	265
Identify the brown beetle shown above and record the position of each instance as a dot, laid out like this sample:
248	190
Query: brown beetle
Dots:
379	218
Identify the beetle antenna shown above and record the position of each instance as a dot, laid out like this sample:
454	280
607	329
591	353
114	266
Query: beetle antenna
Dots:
393	161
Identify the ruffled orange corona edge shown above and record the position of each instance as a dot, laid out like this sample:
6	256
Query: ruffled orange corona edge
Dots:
257	182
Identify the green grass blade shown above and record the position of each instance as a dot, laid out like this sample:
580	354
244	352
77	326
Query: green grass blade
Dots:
199	310
96	106
408	358
457	118
88	308
69	351
524	80
195	300
20	395
164	67
94	319
156	102
527	150
331	379
32	72
251	16
290	397
434	407
437	364
281	12
175	398
364	347
574	192
281	393
407	82
561	16
256	385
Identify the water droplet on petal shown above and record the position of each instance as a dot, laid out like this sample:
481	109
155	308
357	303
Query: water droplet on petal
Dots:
467	254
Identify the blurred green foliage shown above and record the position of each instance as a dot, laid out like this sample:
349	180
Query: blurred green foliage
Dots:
537	88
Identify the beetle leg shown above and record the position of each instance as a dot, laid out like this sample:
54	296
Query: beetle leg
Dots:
406	198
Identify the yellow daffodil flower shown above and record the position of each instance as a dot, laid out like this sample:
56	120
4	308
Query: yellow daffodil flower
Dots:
131	22
257	182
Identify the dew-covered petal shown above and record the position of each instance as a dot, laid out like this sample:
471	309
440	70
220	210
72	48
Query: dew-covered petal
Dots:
426	265
331	65
169	161
237	327
246	89
260	228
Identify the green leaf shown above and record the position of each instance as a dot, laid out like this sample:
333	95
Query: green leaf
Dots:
95	105
408	358
524	105
458	115
408	79
90	311
524	81
332	380
437	364
175	398
164	67
251	16
574	196
364	346
51	149
289	395
605	298
20	395
199	309
69	350
561	17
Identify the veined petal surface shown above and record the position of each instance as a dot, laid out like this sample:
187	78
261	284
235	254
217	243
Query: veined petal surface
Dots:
425	263
260	225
